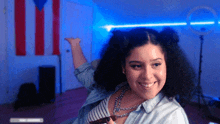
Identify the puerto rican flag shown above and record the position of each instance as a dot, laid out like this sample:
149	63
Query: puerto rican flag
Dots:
37	27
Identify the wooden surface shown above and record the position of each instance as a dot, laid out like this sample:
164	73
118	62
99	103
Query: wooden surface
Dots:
66	106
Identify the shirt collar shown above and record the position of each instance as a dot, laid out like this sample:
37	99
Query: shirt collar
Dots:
150	104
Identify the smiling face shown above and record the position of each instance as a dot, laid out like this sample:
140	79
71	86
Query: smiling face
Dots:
145	70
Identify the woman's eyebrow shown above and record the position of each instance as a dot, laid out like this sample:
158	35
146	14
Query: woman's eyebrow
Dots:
156	59
141	62
134	62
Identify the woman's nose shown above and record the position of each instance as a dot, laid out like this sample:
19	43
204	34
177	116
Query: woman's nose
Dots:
147	73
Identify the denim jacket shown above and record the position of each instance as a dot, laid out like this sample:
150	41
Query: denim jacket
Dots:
159	110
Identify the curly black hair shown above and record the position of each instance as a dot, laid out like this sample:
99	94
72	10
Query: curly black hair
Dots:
180	74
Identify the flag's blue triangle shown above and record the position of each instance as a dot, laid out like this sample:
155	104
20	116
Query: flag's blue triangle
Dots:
40	4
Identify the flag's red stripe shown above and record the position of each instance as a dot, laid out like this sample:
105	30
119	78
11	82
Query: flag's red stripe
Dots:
39	34
20	27
56	26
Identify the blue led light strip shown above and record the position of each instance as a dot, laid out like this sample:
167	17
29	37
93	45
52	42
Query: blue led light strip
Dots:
109	27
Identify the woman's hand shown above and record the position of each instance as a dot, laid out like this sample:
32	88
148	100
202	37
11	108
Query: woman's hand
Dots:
108	120
73	42
77	53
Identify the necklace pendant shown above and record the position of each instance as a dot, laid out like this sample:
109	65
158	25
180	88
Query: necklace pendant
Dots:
117	109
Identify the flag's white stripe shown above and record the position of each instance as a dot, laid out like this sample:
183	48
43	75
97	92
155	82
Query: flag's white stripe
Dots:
48	35
30	27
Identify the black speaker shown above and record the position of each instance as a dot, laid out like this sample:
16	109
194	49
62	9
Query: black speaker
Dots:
47	84
27	96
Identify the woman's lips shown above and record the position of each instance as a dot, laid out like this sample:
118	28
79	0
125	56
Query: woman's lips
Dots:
147	85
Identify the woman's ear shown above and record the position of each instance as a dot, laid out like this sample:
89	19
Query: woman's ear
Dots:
123	69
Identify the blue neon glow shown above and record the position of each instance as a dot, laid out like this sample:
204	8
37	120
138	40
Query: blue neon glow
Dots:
202	23
109	27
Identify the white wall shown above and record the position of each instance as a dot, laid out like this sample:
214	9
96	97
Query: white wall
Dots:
76	21
210	81
82	2
16	70
100	35
4	86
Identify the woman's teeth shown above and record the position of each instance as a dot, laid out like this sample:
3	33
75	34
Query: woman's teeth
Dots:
147	85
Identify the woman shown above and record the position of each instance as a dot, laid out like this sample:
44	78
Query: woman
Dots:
139	74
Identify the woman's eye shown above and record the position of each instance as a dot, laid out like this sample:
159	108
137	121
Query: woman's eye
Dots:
136	66
156	64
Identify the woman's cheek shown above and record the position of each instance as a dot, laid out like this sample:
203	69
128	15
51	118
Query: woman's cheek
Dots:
133	77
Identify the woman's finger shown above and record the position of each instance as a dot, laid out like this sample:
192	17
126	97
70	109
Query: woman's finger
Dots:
109	120
73	41
66	38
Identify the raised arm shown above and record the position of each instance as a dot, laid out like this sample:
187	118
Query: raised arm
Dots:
78	56
84	73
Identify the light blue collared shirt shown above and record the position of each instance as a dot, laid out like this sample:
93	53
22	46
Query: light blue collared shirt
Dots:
159	110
